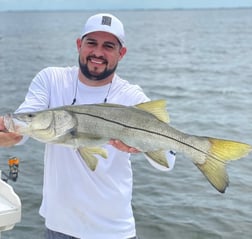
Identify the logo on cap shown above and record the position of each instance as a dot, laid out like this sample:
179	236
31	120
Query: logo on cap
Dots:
106	20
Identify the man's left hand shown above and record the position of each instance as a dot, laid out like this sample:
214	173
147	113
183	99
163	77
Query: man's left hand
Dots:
123	147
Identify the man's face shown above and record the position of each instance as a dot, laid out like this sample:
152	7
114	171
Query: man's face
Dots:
99	54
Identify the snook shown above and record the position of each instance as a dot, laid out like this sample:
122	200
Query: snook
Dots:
143	126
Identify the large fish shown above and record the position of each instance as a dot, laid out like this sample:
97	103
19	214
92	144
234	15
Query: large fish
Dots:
144	126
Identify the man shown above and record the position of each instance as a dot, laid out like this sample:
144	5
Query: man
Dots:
77	202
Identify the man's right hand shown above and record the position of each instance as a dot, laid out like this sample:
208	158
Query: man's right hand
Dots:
8	139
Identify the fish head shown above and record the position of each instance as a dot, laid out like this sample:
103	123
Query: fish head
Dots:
28	123
45	126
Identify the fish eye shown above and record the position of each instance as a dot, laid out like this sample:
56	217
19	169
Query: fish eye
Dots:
30	115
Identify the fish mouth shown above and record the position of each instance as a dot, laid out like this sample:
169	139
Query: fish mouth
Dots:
12	124
9	123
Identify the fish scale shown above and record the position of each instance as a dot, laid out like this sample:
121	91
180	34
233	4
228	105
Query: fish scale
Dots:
144	126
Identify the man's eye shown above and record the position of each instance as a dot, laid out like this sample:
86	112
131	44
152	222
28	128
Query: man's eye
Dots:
109	46
91	43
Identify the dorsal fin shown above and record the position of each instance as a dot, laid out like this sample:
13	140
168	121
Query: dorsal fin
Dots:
157	108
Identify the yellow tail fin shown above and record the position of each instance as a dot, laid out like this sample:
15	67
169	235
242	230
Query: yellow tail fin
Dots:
219	153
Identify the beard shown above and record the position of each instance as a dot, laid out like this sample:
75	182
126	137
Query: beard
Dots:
95	77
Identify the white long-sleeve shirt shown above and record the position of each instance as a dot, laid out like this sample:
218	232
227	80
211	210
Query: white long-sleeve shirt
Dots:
77	201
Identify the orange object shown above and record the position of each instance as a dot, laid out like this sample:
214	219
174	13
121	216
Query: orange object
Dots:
13	161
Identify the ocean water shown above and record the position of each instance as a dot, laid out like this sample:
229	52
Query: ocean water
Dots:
200	61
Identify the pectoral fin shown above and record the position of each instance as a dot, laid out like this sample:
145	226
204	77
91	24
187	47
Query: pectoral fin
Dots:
158	157
87	153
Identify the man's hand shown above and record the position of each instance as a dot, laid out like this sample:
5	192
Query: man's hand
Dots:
7	139
123	147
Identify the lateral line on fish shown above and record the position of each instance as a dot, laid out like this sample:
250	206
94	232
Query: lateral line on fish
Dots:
149	131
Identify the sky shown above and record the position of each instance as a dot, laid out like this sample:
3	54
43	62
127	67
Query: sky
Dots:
13	5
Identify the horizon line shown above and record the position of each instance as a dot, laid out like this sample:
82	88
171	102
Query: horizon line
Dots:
129	9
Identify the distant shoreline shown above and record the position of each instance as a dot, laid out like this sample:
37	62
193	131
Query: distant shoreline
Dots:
135	9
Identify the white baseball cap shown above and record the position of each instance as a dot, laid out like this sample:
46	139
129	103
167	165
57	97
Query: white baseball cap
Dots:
106	23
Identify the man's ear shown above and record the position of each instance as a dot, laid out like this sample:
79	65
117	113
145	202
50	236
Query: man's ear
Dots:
78	44
123	51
